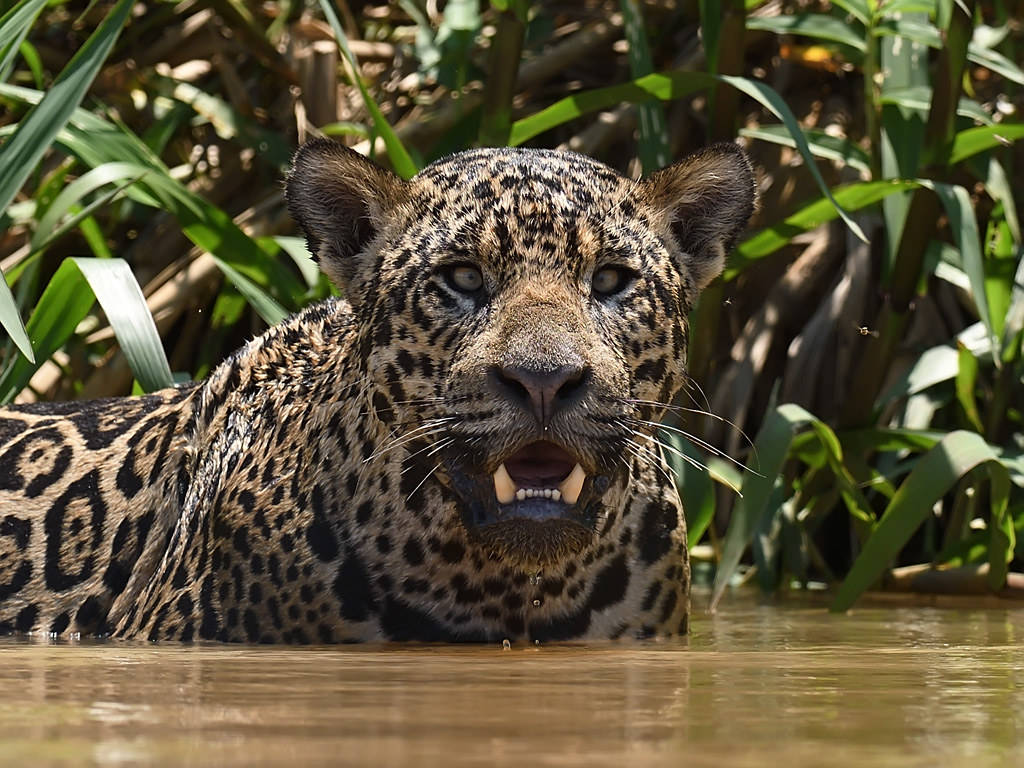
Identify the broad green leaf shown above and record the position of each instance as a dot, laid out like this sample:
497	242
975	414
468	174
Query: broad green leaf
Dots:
296	248
772	449
919	98
927	34
117	291
817	25
859	9
964	226
65	302
397	153
932	367
23	150
971	141
73	193
694	485
668	86
14	26
822	145
966	379
999	188
96	141
852	197
10	319
936	474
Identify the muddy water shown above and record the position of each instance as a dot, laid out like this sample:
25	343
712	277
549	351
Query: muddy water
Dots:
755	685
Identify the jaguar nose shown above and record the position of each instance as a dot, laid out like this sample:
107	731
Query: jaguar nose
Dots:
544	392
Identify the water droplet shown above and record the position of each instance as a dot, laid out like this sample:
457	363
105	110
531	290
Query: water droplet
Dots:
536	603
506	645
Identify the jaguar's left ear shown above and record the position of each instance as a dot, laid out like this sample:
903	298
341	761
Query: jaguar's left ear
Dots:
707	199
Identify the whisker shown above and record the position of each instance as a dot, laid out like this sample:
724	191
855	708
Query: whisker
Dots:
421	482
702	443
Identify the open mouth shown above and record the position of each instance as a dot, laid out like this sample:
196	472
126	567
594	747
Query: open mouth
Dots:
537	507
540	471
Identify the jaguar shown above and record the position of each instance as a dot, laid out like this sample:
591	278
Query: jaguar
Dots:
463	448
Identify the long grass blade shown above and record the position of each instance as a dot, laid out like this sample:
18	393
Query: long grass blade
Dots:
400	158
117	291
936	474
20	154
14	26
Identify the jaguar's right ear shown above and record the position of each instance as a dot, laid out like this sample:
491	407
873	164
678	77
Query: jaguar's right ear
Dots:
341	200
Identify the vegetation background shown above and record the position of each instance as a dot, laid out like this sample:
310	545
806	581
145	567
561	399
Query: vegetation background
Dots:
867	333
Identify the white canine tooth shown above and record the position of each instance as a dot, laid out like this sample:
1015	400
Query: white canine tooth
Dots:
572	485
521	494
504	488
556	495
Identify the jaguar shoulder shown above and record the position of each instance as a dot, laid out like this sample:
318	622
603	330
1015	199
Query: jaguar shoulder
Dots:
463	450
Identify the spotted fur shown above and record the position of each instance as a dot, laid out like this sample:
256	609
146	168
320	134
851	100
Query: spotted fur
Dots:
329	481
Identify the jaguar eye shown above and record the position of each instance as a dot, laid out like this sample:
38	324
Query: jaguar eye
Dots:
610	280
465	278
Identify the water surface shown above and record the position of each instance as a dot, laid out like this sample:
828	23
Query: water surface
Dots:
755	685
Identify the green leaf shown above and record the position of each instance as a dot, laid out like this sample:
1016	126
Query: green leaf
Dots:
964	226
96	141
10	319
668	86
654	147
971	141
772	449
966	379
852	197
859	9
73	193
22	151
817	25
117	291
936	473
919	98
694	485
822	145
65	302
397	153
14	26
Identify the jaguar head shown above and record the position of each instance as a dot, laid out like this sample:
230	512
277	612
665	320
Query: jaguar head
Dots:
523	319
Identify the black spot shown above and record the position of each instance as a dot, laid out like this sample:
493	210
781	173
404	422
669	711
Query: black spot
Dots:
464	592
185	605
452	551
364	512
89	614
26	618
669	605
383	544
652	595
352	587
610	585
412	552
660	520
561	628
60	623
251	624
321	539
403	623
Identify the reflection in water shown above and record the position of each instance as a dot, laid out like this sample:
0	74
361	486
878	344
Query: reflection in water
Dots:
786	684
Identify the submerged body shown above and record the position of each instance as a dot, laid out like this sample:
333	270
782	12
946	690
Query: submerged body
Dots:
463	450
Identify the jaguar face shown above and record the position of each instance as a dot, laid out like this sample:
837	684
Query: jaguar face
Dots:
524	319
